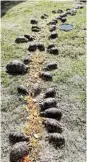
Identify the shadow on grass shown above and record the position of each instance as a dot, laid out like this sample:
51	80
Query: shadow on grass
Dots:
6	5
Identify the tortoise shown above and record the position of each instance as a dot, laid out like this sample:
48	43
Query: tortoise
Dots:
22	89
52	28
60	11
35	90
16	67
45	76
53	50
52	113
47	103
32	47
53	35
21	39
33	21
29	37
51	66
57	140
27	60
52	125
15	137
51	45
50	92
41	47
19	151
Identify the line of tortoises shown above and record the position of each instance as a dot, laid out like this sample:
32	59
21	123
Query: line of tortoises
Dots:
48	108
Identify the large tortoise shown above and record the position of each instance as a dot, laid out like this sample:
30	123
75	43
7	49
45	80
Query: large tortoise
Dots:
19	151
16	67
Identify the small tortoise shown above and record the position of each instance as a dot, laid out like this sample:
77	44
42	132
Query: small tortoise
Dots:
63	19
52	28
19	151
51	45
51	66
57	140
63	14
33	21
52	125
44	16
52	113
48	103
41	47
21	39
15	137
50	92
54	50
29	37
54	11
16	67
45	76
22	90
32	47
60	11
27	60
53	35
35	29
35	90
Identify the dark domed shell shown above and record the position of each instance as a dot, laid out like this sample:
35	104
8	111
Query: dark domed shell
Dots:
16	67
48	103
50	92
18	151
52	125
45	76
15	137
52	113
57	140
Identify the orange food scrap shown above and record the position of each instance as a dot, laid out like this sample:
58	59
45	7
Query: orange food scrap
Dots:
26	159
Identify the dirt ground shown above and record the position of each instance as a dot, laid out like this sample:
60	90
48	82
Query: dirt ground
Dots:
68	79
